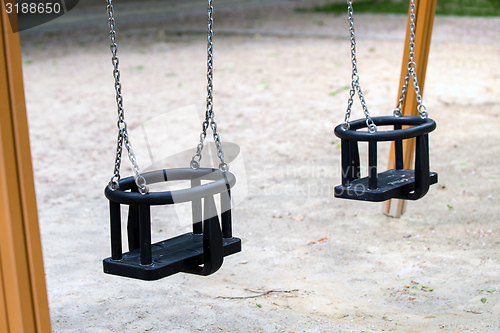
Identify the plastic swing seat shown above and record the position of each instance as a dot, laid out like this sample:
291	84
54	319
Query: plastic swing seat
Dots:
199	252
397	183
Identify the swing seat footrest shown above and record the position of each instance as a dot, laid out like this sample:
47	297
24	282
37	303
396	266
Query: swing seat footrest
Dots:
391	184
178	254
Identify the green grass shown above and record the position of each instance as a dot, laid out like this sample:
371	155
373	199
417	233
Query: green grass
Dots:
444	7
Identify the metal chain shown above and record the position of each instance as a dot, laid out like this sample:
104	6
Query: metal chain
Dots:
209	113
412	66
355	85
121	124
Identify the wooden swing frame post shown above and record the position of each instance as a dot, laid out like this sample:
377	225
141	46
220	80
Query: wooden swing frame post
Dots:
23	295
424	20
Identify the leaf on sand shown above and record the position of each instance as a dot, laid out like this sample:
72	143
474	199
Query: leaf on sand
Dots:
483	300
259	305
427	289
321	240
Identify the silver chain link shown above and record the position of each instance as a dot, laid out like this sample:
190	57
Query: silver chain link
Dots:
121	124
411	71
209	113
355	85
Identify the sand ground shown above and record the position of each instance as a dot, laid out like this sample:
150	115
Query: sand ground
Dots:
320	264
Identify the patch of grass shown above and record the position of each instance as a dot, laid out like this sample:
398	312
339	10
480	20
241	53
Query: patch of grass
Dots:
135	68
263	86
490	290
444	7
335	92
366	6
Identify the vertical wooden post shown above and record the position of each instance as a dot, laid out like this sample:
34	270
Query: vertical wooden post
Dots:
424	20
3	304
23	296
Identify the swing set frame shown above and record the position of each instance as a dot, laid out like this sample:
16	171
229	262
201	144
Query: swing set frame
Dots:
23	295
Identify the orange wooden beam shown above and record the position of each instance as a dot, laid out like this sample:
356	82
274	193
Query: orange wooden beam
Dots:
23	296
424	20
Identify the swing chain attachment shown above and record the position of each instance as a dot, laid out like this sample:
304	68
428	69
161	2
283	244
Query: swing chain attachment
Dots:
209	113
355	85
411	67
123	137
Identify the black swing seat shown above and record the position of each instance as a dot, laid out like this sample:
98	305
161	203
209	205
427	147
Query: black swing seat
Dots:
398	183
175	255
390	184
199	252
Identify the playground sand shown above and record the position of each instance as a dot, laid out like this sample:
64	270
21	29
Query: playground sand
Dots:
309	262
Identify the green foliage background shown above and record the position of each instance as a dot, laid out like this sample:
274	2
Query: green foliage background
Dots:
444	7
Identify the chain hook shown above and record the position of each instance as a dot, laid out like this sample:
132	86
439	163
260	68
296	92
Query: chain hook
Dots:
345	126
140	181
113	183
423	111
194	165
372	128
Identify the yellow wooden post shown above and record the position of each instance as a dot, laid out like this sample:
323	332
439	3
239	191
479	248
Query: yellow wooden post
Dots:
424	20
23	296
